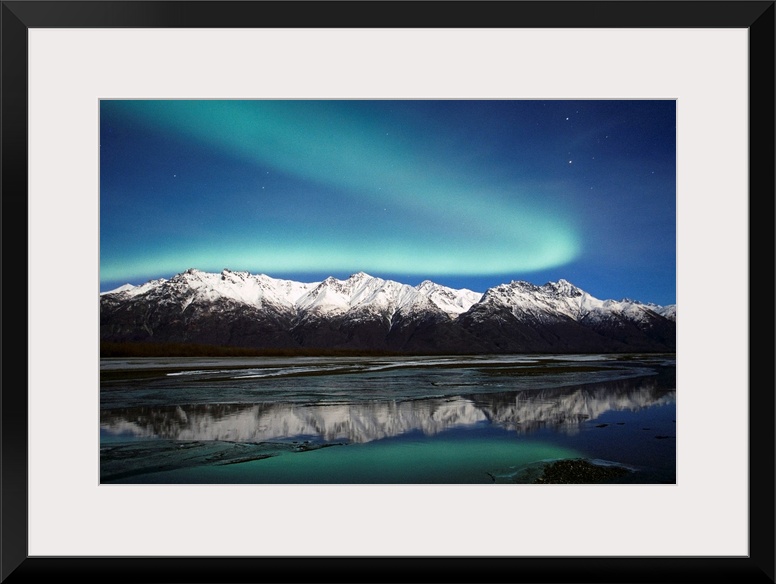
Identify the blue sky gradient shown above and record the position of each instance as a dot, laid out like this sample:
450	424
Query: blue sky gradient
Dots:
467	193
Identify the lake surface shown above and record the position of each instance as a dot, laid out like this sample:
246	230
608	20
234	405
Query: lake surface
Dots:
454	420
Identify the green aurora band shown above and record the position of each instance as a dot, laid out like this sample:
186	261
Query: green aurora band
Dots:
446	218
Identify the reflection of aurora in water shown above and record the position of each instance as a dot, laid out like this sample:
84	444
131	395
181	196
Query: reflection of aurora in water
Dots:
560	408
382	420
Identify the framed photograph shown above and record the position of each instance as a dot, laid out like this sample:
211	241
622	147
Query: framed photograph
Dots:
266	207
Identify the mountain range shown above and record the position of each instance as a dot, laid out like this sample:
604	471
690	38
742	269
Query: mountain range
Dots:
363	312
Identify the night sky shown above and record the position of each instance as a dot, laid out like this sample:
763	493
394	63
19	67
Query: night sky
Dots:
467	193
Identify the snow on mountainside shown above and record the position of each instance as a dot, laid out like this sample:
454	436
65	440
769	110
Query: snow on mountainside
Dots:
553	300
365	312
668	312
136	290
562	299
359	291
450	300
362	290
124	288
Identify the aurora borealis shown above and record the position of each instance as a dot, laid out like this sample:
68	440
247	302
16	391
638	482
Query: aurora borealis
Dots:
463	192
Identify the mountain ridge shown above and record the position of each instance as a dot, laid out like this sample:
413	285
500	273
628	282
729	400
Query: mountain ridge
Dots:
365	312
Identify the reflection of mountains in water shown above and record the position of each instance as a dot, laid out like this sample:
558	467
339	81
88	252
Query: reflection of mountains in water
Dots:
565	408
559	408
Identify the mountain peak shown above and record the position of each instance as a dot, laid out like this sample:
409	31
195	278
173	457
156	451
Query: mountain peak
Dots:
519	285
563	288
227	273
358	276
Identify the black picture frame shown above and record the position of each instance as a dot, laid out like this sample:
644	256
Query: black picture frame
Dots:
19	16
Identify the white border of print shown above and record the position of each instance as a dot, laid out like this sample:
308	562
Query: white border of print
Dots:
704	514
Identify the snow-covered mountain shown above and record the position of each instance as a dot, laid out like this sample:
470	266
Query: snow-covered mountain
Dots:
365	312
360	291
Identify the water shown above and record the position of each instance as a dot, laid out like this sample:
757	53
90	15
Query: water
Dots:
385	420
